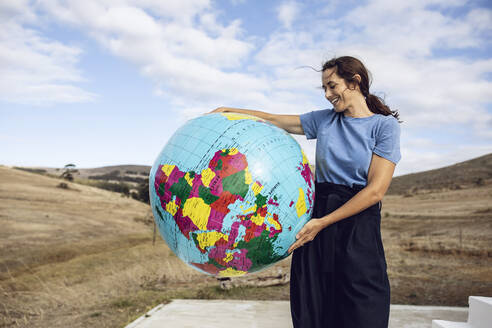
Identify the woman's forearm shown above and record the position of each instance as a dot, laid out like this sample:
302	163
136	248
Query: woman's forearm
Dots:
290	123
362	200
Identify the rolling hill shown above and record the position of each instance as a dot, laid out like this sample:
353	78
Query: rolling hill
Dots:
470	173
467	174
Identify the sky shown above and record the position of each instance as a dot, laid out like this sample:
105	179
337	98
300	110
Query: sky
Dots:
107	82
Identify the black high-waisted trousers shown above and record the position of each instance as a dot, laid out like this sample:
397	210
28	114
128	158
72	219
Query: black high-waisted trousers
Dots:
339	279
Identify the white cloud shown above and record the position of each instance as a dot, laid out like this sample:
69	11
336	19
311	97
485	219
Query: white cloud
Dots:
411	28
423	159
480	20
287	12
182	47
398	41
18	11
434	91
199	60
35	69
80	12
177	10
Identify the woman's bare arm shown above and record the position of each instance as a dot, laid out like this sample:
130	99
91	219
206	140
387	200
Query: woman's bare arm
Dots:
378	180
290	123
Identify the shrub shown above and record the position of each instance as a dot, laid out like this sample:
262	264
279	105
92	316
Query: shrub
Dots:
143	192
38	171
120	187
63	185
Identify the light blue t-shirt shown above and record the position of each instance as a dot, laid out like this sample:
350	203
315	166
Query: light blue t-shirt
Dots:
345	144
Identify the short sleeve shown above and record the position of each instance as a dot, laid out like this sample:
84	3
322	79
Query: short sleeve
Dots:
310	122
388	140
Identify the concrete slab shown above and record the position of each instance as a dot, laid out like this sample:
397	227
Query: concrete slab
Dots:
217	314
271	314
412	316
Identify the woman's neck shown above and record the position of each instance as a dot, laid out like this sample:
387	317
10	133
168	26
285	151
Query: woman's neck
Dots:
358	108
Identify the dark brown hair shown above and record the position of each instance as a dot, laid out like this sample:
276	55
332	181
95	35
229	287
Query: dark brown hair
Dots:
346	68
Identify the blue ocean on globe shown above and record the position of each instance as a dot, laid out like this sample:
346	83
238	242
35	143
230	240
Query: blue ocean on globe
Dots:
229	193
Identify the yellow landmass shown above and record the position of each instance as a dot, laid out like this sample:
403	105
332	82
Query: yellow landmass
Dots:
167	169
207	176
207	239
301	203
198	211
251	209
258	219
230	272
228	257
275	223
247	177
230	151
256	188
188	179
172	207
236	116
304	158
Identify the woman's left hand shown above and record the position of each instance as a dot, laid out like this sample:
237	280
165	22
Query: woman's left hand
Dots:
307	233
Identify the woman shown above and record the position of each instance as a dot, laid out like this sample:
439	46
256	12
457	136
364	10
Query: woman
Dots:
338	272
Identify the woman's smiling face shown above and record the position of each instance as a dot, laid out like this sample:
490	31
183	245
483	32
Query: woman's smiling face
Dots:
335	87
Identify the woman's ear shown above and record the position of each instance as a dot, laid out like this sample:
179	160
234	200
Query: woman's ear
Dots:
356	79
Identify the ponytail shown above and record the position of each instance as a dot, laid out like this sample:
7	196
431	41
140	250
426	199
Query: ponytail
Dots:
378	106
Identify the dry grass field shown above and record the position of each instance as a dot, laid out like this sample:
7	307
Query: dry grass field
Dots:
84	257
439	245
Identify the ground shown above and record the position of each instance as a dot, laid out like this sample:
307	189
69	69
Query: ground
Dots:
85	257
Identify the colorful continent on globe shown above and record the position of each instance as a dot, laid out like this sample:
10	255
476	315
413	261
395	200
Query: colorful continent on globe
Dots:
199	202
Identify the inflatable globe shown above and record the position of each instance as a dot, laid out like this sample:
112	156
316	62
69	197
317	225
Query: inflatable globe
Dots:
229	193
